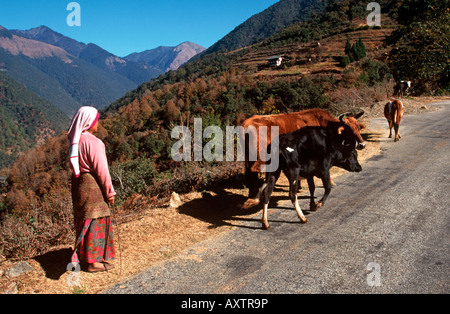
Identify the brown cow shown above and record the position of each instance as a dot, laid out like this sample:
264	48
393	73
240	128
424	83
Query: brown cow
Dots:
288	123
393	111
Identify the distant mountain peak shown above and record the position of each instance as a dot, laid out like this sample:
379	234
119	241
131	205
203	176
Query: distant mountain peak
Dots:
41	29
49	36
16	45
5	33
167	58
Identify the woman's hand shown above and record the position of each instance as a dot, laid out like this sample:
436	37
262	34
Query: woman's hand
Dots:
111	200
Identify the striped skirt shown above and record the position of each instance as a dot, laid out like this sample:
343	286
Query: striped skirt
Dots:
94	241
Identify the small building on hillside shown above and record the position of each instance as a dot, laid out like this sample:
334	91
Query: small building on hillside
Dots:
275	61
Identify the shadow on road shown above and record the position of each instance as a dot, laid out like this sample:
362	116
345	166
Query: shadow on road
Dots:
226	208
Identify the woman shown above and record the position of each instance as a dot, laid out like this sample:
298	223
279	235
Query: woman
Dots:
92	191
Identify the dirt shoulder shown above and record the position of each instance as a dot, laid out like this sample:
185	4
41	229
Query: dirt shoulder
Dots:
162	233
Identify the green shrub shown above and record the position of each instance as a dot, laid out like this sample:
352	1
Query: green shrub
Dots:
134	176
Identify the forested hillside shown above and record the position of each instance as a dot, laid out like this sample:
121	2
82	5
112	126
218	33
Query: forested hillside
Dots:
268	23
26	120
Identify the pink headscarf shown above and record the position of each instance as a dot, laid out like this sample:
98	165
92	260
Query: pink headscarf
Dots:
84	119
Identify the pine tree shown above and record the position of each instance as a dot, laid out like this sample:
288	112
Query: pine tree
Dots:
361	49
354	52
345	60
348	47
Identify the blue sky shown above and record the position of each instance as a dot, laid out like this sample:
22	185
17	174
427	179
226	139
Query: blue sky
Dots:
123	27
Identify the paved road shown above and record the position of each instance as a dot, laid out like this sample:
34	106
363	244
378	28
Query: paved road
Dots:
384	230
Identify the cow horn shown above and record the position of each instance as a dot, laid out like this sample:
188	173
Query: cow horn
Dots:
359	115
344	116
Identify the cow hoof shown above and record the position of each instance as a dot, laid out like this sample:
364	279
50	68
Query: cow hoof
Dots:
265	227
304	220
316	206
250	203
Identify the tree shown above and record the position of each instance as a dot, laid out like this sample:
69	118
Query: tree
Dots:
171	111
421	45
348	47
345	60
360	49
354	52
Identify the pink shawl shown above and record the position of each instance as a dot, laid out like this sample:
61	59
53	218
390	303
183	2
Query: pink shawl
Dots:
84	119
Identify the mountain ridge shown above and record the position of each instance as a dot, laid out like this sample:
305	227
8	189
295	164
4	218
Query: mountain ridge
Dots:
268	22
46	34
71	74
31	48
54	74
92	53
174	56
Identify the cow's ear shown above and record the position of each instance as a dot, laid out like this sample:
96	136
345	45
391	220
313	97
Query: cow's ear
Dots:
340	130
359	115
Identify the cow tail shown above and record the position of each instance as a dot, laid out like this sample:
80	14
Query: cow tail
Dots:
396	115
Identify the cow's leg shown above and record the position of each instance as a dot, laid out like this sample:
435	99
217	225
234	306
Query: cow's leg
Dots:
312	188
252	182
299	183
266	191
299	210
265	222
293	188
332	182
390	128
327	185
397	135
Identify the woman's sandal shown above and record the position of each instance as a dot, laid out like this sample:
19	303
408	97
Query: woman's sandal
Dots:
106	267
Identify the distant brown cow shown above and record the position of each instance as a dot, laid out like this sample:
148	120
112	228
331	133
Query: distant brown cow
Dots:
288	123
393	111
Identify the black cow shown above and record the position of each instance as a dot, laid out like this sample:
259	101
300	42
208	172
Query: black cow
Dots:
401	88
309	152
